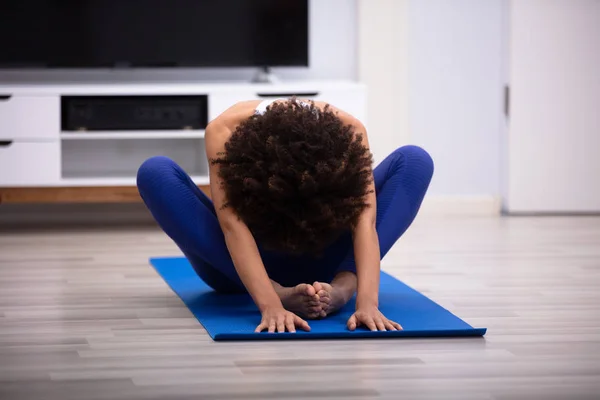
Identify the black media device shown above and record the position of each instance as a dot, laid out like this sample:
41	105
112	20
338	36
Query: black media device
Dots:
133	113
153	33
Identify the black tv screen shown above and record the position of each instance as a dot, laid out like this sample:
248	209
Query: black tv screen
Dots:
153	33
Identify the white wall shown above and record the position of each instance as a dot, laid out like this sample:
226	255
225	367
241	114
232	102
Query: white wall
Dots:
333	37
383	67
455	92
332	54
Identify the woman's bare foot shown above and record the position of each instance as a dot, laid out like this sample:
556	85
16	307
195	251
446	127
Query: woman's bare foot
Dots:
335	295
301	299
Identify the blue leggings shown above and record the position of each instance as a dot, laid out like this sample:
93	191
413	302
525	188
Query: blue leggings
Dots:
188	217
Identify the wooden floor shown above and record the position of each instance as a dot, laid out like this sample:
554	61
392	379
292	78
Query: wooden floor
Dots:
83	316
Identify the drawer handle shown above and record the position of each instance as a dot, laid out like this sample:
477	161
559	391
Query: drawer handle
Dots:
5	97
5	143
279	95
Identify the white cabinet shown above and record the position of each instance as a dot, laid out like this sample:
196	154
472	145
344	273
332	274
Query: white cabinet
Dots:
29	164
29	117
29	145
34	151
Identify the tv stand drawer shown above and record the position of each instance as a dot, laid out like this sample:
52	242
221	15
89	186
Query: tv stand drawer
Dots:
29	117
27	164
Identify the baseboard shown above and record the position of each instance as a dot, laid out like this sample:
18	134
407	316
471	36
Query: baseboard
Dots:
442	205
58	215
54	215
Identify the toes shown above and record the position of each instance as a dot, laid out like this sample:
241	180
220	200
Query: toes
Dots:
318	286
315	309
313	315
305	289
316	315
325	300
323	293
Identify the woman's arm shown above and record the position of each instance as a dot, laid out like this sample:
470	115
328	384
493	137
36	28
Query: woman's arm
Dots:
240	242
364	235
366	252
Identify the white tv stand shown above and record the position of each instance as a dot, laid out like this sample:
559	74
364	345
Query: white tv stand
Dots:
35	153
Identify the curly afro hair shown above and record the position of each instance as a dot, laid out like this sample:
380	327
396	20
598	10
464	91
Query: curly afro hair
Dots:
296	176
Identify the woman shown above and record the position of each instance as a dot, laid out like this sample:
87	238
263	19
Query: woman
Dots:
300	220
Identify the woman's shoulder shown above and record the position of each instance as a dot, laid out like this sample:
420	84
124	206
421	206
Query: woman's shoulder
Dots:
237	112
233	116
220	128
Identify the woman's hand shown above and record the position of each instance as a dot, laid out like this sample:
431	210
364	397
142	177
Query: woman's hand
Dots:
278	319
373	319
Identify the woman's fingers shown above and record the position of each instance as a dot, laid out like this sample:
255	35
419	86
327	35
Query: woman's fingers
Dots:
352	323
260	327
370	323
389	326
377	322
281	324
271	326
289	324
300	323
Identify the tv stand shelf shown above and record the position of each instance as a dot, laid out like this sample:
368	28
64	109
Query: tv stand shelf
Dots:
100	135
37	154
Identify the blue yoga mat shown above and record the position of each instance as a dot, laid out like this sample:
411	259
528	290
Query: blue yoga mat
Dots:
235	317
